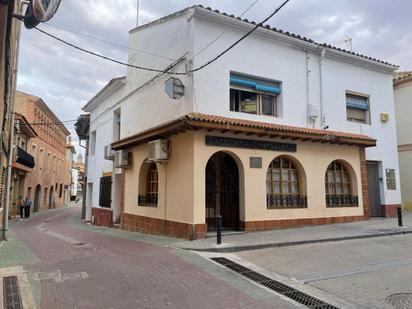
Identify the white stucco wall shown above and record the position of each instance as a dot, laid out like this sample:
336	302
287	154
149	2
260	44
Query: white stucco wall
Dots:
207	91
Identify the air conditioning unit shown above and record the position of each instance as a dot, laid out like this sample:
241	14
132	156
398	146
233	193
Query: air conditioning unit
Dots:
109	153
313	111
121	159
158	150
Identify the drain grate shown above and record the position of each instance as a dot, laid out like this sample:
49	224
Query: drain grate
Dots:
274	285
11	292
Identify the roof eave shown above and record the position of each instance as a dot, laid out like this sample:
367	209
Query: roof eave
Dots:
111	87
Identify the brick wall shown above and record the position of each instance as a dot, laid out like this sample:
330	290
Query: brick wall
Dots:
102	216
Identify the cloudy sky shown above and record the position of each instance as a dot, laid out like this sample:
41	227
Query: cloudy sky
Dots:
66	78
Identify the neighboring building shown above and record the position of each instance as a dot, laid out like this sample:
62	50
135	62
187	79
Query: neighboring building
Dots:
402	84
79	166
281	131
50	175
8	44
71	173
23	163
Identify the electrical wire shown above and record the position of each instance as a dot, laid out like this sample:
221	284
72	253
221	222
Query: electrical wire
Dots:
163	71
241	39
224	32
104	57
109	42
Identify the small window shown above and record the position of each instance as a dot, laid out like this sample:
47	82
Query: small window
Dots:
284	185
338	184
149	186
254	96
357	108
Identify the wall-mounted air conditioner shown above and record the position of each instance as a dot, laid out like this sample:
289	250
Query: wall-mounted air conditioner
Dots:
121	159
313	111
158	150
109	153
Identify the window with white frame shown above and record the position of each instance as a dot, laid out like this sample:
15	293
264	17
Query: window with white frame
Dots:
254	96
357	108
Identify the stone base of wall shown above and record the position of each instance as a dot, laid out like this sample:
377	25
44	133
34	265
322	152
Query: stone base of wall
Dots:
155	226
389	211
253	226
102	216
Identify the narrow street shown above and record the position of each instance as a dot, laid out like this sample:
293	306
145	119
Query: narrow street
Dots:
73	265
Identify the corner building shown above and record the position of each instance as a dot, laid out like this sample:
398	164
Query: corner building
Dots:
281	131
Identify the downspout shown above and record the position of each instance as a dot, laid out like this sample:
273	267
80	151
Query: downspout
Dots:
307	88
321	98
11	133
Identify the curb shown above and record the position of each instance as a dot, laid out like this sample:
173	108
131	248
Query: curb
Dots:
233	249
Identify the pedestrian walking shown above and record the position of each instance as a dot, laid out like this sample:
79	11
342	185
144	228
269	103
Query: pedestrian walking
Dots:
20	204
27	206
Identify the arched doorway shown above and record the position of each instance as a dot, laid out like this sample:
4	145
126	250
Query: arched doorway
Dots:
36	203
222	192
51	198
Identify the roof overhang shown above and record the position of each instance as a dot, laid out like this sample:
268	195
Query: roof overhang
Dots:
110	88
196	121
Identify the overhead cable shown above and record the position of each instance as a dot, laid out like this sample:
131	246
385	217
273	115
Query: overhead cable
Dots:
163	71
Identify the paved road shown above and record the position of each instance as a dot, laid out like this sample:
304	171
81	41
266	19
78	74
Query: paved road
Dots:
364	272
79	266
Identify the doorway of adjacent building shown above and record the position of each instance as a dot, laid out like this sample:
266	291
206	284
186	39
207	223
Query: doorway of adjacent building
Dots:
51	198
222	192
36	203
375	208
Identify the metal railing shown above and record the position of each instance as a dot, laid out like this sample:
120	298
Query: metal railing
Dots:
286	201
341	200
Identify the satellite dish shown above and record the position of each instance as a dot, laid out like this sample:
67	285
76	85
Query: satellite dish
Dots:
40	11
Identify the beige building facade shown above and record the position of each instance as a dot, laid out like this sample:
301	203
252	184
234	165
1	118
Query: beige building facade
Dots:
51	174
403	105
218	166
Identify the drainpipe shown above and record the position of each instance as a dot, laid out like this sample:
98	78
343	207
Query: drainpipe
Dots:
321	64
11	133
307	88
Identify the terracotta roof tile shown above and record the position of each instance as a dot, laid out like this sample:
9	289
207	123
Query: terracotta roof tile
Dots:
200	121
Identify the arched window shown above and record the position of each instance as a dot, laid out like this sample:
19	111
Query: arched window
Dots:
148	185
284	185
338	184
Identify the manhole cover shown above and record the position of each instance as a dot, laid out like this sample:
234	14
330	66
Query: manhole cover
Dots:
400	300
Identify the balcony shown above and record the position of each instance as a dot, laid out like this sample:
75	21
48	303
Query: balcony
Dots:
22	160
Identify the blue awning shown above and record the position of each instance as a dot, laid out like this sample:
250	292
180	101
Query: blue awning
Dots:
254	85
358	104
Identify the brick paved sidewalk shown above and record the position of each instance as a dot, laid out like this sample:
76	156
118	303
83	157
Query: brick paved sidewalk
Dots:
80	266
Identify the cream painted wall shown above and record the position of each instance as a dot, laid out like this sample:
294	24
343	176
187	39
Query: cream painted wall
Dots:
176	184
403	106
314	157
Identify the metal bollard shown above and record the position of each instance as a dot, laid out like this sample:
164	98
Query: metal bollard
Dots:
219	230
399	216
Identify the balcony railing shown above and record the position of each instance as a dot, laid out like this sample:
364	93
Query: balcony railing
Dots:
341	200
147	200
286	201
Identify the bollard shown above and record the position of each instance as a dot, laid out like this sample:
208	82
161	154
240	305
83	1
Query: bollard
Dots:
219	230
399	216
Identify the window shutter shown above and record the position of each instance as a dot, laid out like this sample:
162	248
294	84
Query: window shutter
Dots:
356	114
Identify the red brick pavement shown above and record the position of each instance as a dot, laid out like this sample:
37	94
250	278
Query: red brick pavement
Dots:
125	273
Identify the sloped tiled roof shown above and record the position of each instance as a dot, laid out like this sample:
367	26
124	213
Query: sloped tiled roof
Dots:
287	33
194	121
399	77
